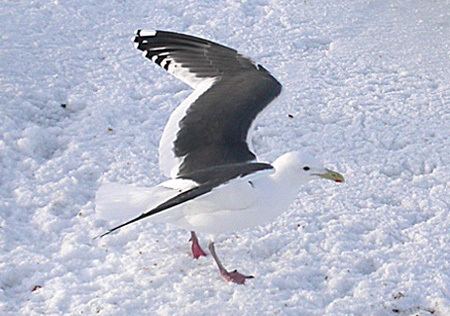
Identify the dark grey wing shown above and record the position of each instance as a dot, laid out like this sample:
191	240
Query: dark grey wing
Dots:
210	127
214	129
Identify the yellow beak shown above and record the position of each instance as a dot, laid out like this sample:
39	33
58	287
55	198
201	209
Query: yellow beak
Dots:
331	175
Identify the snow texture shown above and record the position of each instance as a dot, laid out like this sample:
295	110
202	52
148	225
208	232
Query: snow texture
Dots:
367	86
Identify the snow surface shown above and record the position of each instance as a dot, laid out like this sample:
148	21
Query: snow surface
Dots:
368	85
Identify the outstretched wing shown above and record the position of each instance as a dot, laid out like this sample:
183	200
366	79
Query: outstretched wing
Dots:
210	127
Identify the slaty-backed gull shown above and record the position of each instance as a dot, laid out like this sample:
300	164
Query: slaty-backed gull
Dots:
216	184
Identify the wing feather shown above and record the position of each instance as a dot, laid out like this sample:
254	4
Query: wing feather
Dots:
210	127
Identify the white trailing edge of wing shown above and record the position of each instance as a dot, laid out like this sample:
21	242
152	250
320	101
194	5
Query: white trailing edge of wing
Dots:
168	162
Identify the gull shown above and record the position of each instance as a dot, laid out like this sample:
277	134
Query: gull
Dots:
216	183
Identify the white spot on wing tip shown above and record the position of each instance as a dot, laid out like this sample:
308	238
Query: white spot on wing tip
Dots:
165	61
145	33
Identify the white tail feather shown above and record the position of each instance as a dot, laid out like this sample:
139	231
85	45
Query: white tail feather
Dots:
120	202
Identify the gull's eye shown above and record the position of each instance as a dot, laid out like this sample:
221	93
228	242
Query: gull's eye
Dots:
306	168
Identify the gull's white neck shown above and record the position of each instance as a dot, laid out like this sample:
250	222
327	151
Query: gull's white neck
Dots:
287	181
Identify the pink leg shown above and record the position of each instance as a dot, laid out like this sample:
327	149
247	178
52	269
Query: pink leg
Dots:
233	276
197	251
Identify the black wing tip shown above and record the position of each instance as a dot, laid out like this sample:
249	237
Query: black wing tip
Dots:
145	33
177	37
142	35
104	234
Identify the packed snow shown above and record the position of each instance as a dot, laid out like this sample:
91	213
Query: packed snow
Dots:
366	87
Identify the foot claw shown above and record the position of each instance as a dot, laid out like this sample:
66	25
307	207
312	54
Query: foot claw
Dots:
235	277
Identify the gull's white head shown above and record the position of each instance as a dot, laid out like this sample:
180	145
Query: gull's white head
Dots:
301	167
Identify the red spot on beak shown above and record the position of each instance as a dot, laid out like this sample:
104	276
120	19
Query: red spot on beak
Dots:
338	181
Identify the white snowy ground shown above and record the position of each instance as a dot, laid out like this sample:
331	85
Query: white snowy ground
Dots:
368	84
